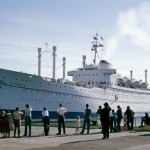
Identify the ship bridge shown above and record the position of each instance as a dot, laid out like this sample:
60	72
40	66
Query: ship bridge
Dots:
95	76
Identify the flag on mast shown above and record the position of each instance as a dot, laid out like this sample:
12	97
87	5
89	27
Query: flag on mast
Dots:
95	38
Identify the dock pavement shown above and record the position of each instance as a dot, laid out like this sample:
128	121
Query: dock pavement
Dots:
123	140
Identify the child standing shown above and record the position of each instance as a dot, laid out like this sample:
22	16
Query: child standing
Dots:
77	124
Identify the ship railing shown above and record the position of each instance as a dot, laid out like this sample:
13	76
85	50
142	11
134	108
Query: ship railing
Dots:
49	79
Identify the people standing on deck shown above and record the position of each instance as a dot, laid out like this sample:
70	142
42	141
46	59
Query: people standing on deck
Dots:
28	119
61	118
87	119
105	120
130	118
17	121
45	120
77	124
119	117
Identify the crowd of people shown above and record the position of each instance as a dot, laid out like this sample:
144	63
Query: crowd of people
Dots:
110	120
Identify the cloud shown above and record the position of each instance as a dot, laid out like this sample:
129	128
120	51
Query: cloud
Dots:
133	24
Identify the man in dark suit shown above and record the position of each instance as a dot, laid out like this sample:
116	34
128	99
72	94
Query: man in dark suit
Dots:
129	113
105	120
119	117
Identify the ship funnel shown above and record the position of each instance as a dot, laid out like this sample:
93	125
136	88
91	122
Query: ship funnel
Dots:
64	66
39	61
145	76
131	74
54	61
84	60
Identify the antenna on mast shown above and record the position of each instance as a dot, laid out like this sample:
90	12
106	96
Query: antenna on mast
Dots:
95	45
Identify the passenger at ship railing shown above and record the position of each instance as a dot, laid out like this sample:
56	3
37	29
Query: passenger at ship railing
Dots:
119	117
46	120
61	118
17	121
28	119
105	120
129	114
87	119
145	119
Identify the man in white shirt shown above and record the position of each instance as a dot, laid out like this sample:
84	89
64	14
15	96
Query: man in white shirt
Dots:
61	118
46	120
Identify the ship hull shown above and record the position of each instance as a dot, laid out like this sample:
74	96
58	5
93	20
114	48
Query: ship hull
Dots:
18	89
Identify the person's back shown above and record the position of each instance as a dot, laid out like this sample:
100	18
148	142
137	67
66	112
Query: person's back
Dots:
87	113
105	120
99	110
147	119
130	118
129	113
61	119
119	113
119	117
105	113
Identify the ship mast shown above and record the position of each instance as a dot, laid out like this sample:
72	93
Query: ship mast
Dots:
95	46
39	61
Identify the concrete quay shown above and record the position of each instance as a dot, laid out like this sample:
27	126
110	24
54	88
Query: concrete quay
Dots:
124	140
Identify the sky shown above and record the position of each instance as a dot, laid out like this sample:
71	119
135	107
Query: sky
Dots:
26	25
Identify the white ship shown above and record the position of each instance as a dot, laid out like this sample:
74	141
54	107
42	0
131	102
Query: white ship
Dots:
91	84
